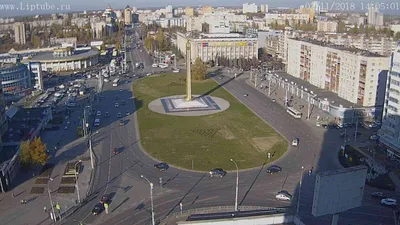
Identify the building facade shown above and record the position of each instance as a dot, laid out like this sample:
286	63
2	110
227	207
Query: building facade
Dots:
390	130
189	11
128	15
211	46
327	26
15	80
354	75
249	8
65	59
19	33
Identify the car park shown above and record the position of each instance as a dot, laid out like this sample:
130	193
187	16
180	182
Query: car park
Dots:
274	169
218	172
161	166
389	202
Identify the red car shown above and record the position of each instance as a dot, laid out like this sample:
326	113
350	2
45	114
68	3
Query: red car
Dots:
116	151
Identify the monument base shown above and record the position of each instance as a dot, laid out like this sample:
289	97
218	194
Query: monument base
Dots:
179	106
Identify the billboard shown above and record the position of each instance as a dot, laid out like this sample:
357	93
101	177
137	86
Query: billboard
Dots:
338	190
223	44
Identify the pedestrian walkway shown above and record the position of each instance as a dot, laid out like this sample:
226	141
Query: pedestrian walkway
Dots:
37	208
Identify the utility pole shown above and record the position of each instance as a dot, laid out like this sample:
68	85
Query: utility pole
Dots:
298	200
51	201
269	86
251	74
91	152
308	107
237	185
76	181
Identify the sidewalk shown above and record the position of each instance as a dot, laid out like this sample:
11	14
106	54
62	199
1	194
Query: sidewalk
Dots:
33	212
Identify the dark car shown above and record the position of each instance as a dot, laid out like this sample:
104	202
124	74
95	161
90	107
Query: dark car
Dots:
218	172
161	166
274	169
121	122
378	195
98	208
122	102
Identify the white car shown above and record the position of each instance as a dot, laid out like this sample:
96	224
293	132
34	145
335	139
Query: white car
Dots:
116	105
106	80
283	196
175	71
155	65
98	113
295	142
389	202
149	74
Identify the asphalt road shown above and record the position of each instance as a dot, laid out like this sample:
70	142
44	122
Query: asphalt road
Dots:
119	175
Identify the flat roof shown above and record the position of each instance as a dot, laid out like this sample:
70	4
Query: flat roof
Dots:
49	57
333	98
339	47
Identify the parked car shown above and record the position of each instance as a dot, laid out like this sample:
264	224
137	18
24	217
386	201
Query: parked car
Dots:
121	122
98	113
107	114
119	115
374	137
161	166
116	105
389	202
98	208
274	169
122	102
284	196
218	172
105	199
378	194
175	71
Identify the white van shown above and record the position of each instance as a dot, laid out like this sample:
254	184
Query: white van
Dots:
97	122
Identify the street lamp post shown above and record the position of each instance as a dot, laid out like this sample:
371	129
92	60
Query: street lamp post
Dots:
91	149
151	198
237	185
51	200
298	200
76	181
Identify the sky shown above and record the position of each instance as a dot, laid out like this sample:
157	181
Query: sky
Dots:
26	7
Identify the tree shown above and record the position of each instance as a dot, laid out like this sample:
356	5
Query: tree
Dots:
162	41
341	27
103	47
397	36
149	44
205	28
33	152
118	45
198	70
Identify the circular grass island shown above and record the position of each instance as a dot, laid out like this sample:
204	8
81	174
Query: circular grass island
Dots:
208	141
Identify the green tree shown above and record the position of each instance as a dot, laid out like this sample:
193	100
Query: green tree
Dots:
199	70
149	44
205	28
118	45
397	36
33	152
103	47
341	27
162	42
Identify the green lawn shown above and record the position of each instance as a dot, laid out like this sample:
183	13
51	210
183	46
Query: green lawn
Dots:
210	141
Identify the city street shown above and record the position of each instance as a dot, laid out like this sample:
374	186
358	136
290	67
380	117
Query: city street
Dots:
119	175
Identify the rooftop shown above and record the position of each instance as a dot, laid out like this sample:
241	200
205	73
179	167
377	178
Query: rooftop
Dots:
339	47
78	54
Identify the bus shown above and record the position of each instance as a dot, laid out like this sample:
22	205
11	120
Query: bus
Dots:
292	111
115	82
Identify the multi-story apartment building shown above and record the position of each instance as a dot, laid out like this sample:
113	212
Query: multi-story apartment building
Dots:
249	8
390	130
355	75
19	33
282	18
128	15
210	46
327	26
189	11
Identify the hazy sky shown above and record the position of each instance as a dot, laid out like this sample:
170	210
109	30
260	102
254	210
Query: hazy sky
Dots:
80	5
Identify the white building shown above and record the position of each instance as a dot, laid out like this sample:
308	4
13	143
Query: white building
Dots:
374	17
282	17
210	46
249	8
264	8
219	26
327	26
390	130
395	28
19	33
354	75
168	9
